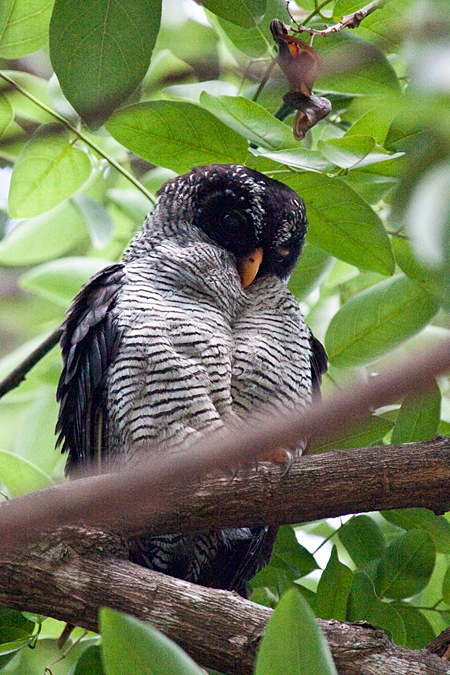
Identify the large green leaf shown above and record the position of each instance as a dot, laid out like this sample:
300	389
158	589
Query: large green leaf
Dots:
48	170
348	151
342	223
90	662
293	642
23	26
39	238
407	565
363	539
250	120
132	646
101	51
359	435
428	278
377	320
60	280
258	40
97	219
309	271
333	589
365	605
419	632
437	527
23	106
419	416
177	135
6	114
244	13
288	551
354	66
20	475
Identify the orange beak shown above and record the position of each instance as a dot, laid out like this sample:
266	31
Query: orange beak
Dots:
248	267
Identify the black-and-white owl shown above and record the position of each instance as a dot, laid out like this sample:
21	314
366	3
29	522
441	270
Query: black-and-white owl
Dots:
190	334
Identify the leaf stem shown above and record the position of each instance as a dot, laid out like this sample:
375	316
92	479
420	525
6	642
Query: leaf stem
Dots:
81	136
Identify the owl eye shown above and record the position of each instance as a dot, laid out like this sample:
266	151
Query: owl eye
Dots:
234	219
282	252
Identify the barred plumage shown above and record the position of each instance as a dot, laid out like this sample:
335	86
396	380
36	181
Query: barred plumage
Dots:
172	344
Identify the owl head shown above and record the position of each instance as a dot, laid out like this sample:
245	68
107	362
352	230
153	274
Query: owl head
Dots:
256	218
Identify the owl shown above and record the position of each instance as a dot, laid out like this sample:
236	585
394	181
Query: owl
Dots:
192	334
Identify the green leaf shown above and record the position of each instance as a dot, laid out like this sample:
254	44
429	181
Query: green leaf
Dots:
377	320
293	642
359	435
20	475
354	66
60	280
437	527
446	587
365	605
407	565
132	646
309	271
299	158
23	26
427	278
253	41
419	417
244	13
177	135
288	551
430	204
22	105
363	539
419	632
39	238
384	27
348	151
101	51
90	662
48	170
342	223
334	589
98	221
13	639
371	116
250	120
6	113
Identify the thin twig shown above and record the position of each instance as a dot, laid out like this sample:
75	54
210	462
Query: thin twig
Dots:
349	21
19	373
266	76
81	136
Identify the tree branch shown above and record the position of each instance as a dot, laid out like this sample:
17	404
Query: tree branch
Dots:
332	484
69	576
349	21
19	373
144	489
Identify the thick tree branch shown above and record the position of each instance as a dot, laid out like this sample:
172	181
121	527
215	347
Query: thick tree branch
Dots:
141	489
69	576
332	484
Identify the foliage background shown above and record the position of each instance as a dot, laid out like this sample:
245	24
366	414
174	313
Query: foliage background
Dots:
373	278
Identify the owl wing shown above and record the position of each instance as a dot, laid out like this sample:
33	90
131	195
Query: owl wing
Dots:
89	345
319	364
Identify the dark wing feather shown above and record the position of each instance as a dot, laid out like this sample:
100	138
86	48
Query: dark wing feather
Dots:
89	345
319	364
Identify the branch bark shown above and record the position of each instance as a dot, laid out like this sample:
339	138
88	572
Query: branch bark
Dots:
72	573
322	486
145	489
